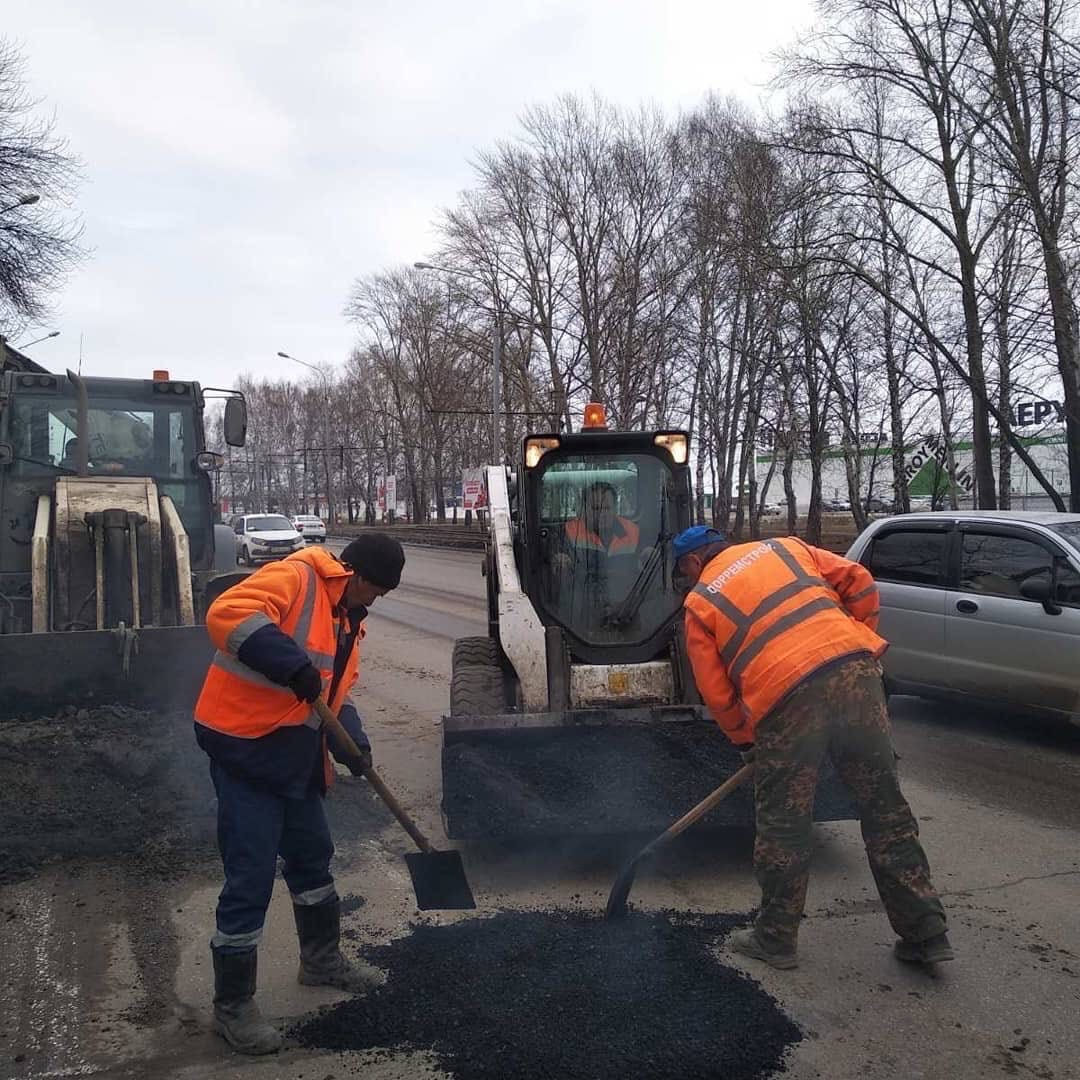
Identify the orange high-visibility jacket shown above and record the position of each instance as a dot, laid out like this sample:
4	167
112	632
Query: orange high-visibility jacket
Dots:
765	616
581	536
301	596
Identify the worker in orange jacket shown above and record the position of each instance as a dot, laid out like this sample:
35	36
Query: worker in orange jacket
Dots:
783	644
286	634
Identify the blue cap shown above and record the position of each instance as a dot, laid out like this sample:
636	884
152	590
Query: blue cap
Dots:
695	537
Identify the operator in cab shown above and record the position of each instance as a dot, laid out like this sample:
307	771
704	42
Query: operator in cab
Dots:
598	561
599	528
782	638
286	635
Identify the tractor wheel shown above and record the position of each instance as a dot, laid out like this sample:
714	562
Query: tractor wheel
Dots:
474	650
477	690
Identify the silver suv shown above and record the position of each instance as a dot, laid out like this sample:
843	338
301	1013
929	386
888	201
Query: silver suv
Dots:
980	603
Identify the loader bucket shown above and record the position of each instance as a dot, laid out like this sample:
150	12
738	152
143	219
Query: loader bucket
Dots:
595	771
154	667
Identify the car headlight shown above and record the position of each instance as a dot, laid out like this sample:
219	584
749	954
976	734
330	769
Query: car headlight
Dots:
257	542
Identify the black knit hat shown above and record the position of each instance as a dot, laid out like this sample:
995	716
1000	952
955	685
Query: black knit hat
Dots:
376	557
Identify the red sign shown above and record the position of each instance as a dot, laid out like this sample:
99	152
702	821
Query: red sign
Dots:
473	492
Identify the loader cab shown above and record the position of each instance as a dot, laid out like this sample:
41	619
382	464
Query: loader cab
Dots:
598	511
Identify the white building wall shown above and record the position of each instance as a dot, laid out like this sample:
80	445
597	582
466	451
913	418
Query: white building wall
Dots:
1049	455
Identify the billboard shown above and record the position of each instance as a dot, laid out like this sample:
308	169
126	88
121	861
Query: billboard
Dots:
386	489
473	493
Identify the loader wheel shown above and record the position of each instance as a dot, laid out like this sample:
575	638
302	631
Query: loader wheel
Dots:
476	690
474	650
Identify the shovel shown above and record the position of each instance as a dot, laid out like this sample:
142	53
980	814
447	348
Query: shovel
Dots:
438	877
616	904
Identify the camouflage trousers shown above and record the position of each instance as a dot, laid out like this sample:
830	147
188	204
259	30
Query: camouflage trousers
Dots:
841	712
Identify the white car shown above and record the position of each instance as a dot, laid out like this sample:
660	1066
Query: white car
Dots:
310	527
262	537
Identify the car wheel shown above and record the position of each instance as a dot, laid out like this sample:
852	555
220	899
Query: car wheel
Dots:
240	558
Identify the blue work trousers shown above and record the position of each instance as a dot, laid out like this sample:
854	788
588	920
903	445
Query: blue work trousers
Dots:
255	826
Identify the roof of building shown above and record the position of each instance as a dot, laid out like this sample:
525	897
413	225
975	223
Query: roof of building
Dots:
13	360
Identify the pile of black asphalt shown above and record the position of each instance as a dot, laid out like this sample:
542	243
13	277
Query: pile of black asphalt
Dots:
540	995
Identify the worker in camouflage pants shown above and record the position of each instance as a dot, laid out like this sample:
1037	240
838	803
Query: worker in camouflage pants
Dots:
840	712
783	644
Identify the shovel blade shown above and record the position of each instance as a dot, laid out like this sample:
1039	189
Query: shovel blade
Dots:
620	892
439	881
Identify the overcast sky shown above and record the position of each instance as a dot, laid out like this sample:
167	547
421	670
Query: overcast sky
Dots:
245	162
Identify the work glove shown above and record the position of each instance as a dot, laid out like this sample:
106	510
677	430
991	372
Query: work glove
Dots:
350	720
357	765
306	683
748	752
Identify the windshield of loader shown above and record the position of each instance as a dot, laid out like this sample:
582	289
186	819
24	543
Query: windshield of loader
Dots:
125	437
606	527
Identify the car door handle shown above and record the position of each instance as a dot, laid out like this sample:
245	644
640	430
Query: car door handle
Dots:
968	607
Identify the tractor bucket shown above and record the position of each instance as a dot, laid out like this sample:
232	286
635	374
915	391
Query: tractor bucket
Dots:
154	667
595	771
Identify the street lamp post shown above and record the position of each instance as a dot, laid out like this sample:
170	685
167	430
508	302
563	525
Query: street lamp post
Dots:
326	428
38	341
496	356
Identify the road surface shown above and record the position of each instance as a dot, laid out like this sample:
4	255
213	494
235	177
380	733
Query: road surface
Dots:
99	976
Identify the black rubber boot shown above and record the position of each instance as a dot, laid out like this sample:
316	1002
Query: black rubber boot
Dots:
321	962
236	1016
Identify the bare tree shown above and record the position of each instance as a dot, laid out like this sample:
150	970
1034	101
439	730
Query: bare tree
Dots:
1031	81
39	237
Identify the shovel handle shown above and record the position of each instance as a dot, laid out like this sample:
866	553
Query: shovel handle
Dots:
736	779
371	776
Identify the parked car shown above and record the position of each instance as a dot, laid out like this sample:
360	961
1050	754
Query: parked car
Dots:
261	537
835	506
874	505
310	527
979	603
773	510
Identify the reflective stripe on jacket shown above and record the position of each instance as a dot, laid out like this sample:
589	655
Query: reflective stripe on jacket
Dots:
264	730
581	536
765	616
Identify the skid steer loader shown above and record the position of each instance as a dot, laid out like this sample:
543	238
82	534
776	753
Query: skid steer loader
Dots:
578	712
109	550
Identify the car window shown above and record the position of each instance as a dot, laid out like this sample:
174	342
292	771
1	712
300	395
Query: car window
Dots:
1070	530
268	523
999	565
908	556
1068	584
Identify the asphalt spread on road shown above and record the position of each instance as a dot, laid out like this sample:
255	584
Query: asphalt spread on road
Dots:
114	784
